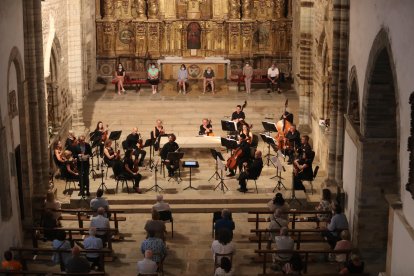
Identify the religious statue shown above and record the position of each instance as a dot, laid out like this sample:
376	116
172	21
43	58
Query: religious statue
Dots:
194	36
193	9
138	9
246	9
280	9
108	9
152	9
234	9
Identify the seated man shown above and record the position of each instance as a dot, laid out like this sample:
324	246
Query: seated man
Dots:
101	222
99	201
130	170
273	76
205	128
156	245
92	242
161	205
303	170
208	78
9	264
134	140
76	263
283	242
238	116
253	170
225	222
338	223
171	146
147	265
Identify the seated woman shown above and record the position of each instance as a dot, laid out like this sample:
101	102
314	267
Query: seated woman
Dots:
303	170
154	77
58	157
182	79
324	205
109	153
246	131
52	204
70	170
130	170
120	76
278	202
208	79
223	245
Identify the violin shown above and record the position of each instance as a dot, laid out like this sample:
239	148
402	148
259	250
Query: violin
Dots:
105	134
140	142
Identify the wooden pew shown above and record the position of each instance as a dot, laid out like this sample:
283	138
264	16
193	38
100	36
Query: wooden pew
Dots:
265	256
47	273
72	234
293	219
298	235
37	254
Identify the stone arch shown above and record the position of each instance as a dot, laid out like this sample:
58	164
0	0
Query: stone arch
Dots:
379	166
352	100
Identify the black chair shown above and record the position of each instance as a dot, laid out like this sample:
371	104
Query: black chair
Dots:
315	173
166	216
216	217
255	141
119	177
255	179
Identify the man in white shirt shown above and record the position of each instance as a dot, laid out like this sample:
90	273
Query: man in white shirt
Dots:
160	205
147	265
100	221
273	76
99	201
284	242
92	242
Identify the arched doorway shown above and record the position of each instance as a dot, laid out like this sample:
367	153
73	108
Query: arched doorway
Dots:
52	88
379	164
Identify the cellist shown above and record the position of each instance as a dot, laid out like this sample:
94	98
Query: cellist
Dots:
244	154
292	142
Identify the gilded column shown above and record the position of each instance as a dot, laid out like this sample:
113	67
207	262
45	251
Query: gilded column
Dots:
153	11
234	9
246	9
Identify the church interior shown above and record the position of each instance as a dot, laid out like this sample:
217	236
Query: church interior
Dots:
206	137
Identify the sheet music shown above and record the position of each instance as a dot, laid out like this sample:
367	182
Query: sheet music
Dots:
276	161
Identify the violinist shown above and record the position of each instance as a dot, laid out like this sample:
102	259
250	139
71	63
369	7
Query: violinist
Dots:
82	152
252	170
102	134
303	169
206	128
244	156
134	141
158	131
304	144
130	170
246	131
293	139
238	116
70	170
109	154
170	146
71	141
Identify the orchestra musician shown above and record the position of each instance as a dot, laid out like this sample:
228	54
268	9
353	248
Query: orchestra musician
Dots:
70	170
238	116
134	141
304	144
293	139
303	169
102	134
82	152
205	128
170	146
287	116
252	170
58	155
109	154
246	131
158	131
245	156
130	170
71	141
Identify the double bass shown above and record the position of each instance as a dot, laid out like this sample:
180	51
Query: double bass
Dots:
282	127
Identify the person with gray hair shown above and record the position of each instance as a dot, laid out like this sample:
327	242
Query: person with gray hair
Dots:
161	205
283	242
100	221
92	242
147	265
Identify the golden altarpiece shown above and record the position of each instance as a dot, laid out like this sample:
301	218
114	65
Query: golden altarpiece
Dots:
200	33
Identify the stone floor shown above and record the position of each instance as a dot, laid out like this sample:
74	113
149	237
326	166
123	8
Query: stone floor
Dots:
189	251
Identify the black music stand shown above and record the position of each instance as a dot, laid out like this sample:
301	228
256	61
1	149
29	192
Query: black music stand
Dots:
150	143
190	164
114	136
156	187
102	186
175	157
216	154
221	183
228	143
278	176
269	141
269	127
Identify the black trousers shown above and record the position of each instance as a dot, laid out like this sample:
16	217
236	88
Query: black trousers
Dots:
94	262
273	86
135	178
331	238
242	180
141	152
83	169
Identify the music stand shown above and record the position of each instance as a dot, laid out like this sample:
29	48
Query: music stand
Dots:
278	176
228	143
150	143
175	157
269	141
114	136
216	154
228	125
102	186
221	184
156	187
269	127
190	164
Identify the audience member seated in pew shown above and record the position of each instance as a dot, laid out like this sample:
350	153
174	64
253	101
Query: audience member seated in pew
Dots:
100	221
338	222
324	205
225	268
147	265
156	245
161	205
92	242
283	242
294	266
225	222
76	263
99	201
49	223
223	245
156	225
52	204
353	266
9	263
61	243
343	244
276	223
278	202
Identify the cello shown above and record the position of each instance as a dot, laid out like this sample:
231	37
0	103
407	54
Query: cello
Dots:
282	127
232	160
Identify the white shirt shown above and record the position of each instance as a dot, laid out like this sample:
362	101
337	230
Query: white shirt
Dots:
92	242
222	272
273	72
100	222
146	266
161	206
99	202
218	248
